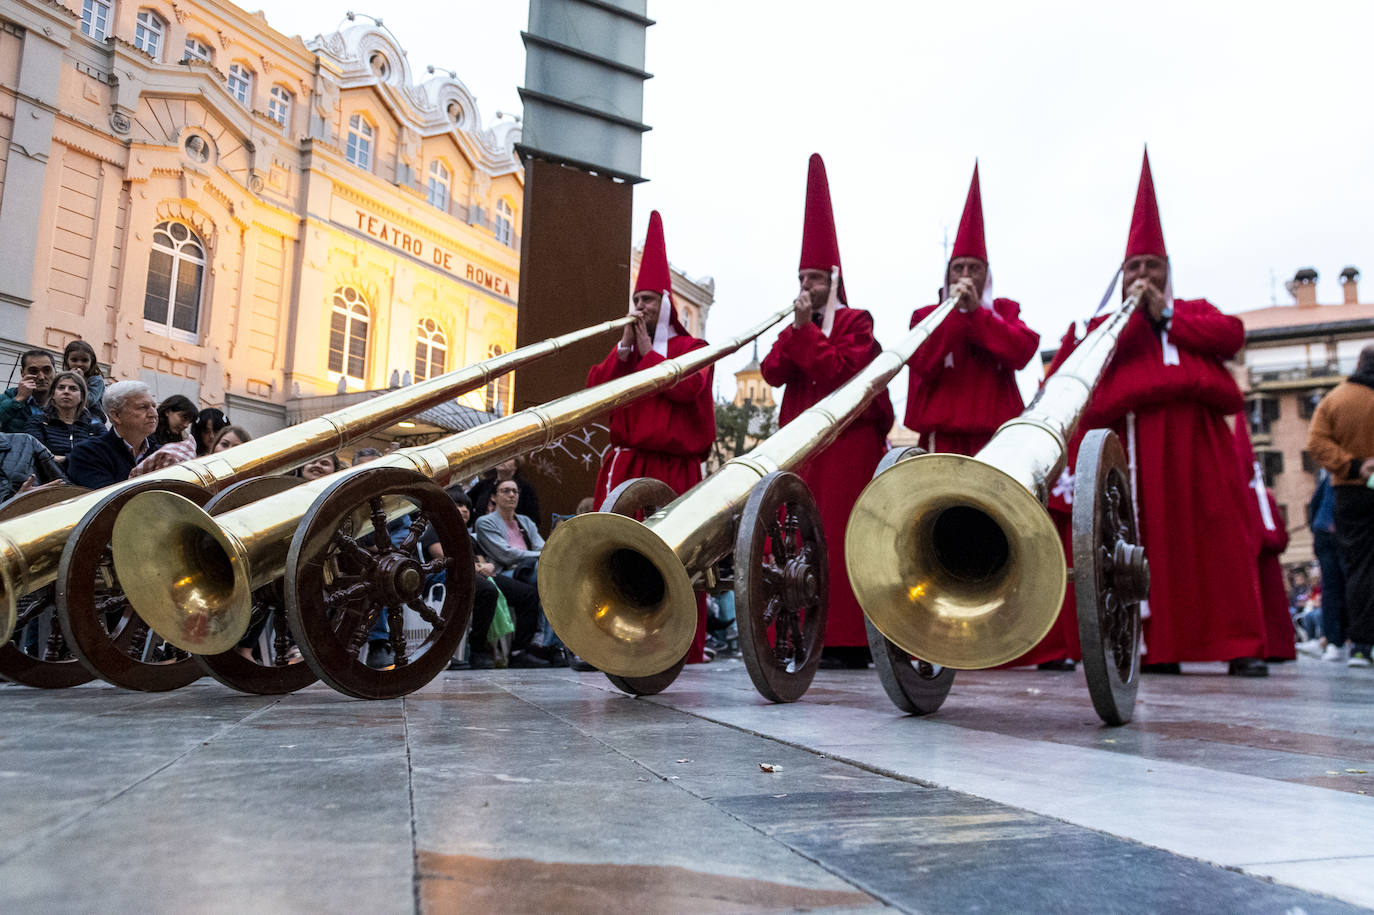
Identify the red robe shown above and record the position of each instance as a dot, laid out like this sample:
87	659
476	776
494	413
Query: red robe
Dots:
665	436
963	379
811	366
1190	500
1278	619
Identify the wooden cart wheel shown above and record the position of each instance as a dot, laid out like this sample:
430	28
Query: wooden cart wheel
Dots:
103	630
916	687
782	586
282	669
343	571
1110	575
639	498
37	654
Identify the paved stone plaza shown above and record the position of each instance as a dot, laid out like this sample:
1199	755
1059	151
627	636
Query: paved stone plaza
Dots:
551	791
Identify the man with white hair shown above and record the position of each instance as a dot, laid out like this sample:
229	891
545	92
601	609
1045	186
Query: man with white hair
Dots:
108	459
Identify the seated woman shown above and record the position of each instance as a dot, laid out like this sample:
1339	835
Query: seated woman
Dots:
508	539
65	421
512	544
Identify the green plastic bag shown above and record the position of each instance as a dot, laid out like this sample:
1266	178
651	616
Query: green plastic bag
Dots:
501	623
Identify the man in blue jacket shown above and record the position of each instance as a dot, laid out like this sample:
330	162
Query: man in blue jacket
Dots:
108	459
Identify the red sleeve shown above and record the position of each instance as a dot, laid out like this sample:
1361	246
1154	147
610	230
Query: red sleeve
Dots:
831	361
1001	332
777	367
1198	326
608	368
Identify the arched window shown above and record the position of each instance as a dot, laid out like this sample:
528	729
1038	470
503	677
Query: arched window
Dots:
431	350
279	104
438	185
498	389
95	18
198	50
359	148
240	83
348	334
176	276
504	217
148	31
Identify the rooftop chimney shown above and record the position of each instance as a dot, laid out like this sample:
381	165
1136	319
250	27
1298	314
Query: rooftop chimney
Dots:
1303	287
1350	277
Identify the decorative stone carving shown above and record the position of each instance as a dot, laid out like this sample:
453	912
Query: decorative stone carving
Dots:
120	123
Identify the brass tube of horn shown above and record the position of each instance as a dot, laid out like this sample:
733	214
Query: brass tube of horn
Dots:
191	576
619	593
31	545
955	559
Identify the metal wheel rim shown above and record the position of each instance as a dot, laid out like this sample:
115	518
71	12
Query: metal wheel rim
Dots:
309	576
758	588
1108	629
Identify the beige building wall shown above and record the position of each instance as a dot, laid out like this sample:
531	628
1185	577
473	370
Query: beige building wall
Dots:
1293	355
114	129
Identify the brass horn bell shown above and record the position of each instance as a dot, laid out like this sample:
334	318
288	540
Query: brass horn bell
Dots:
626	603
955	562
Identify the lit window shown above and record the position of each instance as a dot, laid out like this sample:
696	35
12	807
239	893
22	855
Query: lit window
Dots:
95	18
438	185
431	348
348	334
359	148
279	104
176	274
498	389
198	50
240	83
504	216
148	31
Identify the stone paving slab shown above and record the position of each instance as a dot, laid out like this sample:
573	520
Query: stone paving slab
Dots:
552	791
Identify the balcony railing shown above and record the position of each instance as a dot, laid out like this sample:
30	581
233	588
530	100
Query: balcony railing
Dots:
1298	371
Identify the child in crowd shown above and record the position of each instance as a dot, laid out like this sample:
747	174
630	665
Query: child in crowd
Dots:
79	356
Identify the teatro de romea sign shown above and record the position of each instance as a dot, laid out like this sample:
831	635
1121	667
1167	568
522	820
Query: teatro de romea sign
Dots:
419	247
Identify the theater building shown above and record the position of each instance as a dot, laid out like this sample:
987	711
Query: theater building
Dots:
245	217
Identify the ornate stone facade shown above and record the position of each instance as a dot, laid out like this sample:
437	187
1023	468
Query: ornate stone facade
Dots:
246	217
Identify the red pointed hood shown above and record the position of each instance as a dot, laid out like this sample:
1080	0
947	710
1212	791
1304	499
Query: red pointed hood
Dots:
969	242
1147	235
655	276
820	246
653	263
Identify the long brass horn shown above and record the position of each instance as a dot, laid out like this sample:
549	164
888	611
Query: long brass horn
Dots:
191	576
619	593
955	559
31	546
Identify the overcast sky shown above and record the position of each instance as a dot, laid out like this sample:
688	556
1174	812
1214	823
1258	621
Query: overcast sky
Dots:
1257	116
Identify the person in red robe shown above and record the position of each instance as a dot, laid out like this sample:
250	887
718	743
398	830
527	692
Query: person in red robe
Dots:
667	435
963	379
1270	536
826	344
1167	394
